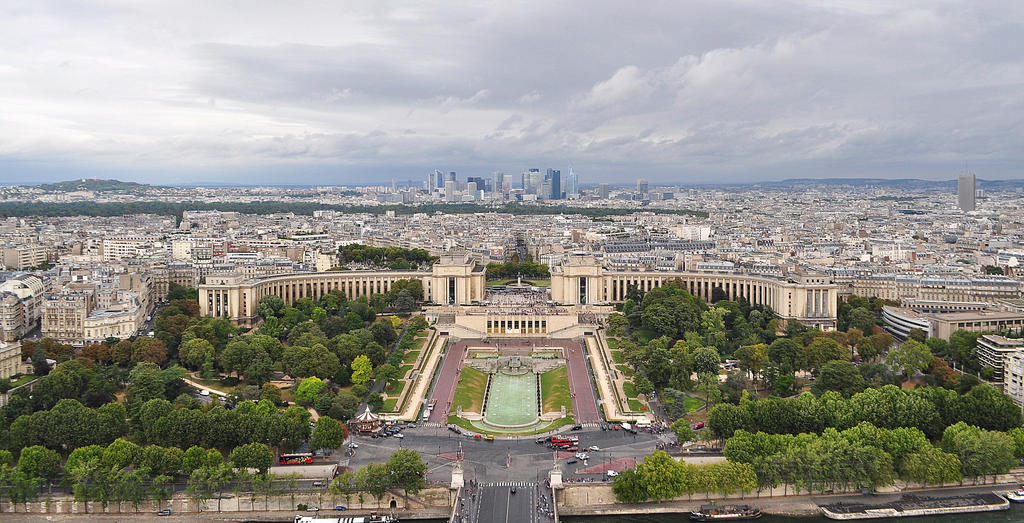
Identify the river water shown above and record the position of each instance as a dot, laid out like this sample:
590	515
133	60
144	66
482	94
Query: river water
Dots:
1016	514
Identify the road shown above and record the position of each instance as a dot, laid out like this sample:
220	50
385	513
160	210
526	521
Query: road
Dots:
485	461
584	403
444	386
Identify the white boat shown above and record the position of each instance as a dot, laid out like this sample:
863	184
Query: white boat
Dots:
1016	496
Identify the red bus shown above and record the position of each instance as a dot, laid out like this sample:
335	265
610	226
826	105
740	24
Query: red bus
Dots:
303	458
560	442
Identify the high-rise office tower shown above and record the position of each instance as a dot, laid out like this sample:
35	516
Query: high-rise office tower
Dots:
450	190
572	185
966	191
604	191
451	176
641	186
555	177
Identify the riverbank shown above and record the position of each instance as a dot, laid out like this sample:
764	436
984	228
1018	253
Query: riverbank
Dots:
593	500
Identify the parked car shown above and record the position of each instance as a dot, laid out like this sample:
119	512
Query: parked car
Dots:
313	509
699	425
489	437
340	507
164	512
204	392
570	461
399	435
594	448
453	428
318	483
612	473
577	427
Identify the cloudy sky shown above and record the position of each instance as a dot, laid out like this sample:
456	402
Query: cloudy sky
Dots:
359	92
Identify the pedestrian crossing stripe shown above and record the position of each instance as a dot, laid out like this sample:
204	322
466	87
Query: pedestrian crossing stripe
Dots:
509	484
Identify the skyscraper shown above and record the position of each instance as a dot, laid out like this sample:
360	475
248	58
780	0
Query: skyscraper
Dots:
555	177
641	186
572	185
604	191
966	190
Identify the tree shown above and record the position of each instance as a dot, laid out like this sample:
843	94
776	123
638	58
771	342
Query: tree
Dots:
387	374
788	354
841	376
752	358
863	319
120	454
706	360
309	389
40	462
253	455
684	433
407	470
269	305
643	385
21	487
327	434
362	370
302	362
198	487
161	489
630	487
911	357
821	351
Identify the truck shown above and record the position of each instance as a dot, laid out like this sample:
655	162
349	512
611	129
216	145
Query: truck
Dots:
626	426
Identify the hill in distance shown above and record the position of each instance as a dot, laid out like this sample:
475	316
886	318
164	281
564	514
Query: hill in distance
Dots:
95	185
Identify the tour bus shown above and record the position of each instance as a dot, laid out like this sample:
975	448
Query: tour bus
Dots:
302	458
561	442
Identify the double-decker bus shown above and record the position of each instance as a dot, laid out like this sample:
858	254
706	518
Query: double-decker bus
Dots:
557	442
302	458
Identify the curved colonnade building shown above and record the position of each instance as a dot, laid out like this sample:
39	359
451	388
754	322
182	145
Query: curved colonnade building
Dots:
454	279
809	299
581	282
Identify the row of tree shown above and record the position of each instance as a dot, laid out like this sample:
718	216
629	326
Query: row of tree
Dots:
931	409
511	269
661	478
395	258
868	456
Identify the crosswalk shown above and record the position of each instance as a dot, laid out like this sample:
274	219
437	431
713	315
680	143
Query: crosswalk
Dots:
517	484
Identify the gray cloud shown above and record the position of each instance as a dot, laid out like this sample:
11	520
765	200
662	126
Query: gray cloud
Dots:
671	91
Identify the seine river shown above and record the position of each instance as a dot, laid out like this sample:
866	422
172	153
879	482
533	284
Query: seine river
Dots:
1016	513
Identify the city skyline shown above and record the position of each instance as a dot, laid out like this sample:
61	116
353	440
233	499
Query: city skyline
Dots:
683	93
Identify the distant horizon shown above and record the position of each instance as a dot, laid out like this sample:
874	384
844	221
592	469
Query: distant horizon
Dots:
402	183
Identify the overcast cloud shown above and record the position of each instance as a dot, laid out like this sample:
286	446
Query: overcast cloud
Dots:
360	92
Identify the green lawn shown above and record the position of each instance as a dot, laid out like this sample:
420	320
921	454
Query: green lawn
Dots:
613	343
390	405
404	369
692	404
22	380
636	406
644	336
554	389
469	393
417	343
625	369
629	389
410	357
535	283
618	356
394	389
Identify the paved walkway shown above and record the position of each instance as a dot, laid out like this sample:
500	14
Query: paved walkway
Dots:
604	383
444	389
200	386
422	384
583	402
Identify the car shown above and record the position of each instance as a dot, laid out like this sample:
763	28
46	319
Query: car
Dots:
340	507
616	427
313	509
594	448
577	427
353	445
570	461
541	441
399	435
318	483
699	425
477	436
164	512
453	428
612	473
411	426
582	455
489	437
204	392
467	433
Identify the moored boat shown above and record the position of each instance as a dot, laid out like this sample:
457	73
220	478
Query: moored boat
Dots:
1016	496
725	513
